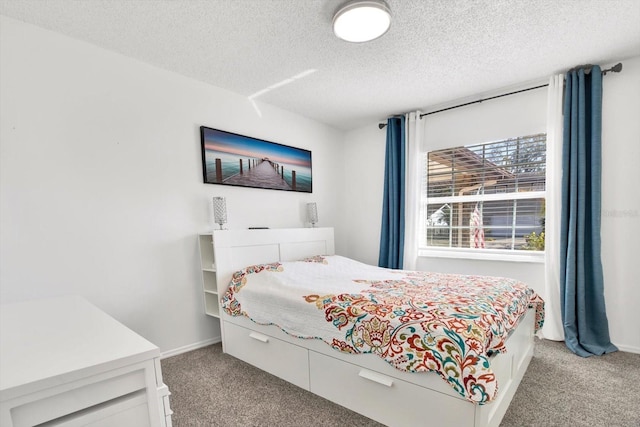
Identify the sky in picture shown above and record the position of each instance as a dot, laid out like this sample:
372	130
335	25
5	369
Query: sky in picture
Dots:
243	146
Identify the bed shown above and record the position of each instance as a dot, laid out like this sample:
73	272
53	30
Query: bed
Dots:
366	383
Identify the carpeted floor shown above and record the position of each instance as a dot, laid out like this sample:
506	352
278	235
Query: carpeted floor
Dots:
210	388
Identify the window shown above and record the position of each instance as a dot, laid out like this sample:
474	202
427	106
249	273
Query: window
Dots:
485	196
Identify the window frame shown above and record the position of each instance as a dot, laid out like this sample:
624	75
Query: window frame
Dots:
517	255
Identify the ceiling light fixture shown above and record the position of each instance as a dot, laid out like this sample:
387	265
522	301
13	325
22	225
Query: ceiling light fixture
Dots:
362	20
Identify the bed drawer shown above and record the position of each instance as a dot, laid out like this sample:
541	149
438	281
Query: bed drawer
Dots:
282	359
386	399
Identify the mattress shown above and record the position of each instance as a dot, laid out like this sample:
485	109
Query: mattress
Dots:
416	321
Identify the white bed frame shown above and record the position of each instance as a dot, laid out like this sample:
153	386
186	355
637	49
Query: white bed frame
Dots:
363	383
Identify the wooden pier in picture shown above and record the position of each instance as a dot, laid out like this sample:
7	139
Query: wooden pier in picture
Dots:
258	173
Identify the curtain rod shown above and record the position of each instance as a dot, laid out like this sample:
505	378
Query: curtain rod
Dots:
615	69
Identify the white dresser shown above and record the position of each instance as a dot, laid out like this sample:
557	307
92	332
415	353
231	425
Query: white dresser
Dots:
64	362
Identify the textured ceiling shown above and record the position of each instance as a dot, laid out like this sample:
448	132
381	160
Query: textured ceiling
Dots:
435	51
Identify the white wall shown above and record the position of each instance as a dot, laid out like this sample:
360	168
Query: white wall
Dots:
364	174
491	120
101	189
621	203
620	199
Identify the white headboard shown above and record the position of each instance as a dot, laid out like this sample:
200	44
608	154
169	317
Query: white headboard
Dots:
236	249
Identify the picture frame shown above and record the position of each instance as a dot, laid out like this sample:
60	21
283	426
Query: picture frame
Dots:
232	159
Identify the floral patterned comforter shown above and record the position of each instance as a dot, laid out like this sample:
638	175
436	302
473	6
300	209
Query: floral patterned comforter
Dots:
416	321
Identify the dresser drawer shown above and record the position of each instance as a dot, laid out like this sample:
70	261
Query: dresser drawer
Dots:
83	398
282	359
127	411
389	400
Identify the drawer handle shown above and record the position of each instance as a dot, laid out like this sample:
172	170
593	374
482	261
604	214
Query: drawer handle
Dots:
376	378
259	337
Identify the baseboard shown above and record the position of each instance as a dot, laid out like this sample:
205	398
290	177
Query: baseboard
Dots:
190	347
628	348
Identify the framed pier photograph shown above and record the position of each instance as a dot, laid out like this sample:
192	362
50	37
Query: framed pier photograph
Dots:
232	159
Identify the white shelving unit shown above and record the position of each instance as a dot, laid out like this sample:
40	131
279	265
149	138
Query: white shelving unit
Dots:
209	278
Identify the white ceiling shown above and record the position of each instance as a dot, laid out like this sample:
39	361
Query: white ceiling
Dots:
435	51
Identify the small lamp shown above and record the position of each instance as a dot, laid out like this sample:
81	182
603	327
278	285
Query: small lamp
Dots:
312	213
220	211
